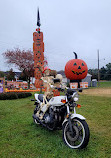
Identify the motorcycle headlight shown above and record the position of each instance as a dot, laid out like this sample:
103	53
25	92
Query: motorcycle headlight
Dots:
75	96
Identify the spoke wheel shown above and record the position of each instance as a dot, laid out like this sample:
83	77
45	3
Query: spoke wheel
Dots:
79	137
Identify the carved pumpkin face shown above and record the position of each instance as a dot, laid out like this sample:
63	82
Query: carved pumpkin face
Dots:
38	37
38	47
38	56
76	69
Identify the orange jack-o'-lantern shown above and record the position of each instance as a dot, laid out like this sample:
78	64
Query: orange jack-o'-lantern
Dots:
38	37
38	47
38	56
76	69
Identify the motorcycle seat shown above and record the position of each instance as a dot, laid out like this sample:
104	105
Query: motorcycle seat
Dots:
40	97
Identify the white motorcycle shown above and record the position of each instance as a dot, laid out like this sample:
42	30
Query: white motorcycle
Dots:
59	113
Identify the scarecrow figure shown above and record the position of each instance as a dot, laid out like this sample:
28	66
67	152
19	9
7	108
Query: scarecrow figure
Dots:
50	83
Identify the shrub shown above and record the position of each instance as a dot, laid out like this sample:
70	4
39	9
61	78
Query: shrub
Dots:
12	95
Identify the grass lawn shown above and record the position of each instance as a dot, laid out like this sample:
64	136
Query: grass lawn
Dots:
20	137
105	84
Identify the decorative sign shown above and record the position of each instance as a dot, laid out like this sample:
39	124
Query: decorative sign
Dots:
74	85
83	84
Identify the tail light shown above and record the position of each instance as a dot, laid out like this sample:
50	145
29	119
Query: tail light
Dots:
63	101
78	106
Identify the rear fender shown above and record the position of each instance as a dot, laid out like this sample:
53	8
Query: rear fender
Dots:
74	116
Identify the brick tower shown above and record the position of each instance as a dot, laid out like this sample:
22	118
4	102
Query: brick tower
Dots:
38	49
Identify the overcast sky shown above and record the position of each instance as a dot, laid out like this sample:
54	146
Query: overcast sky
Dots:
82	26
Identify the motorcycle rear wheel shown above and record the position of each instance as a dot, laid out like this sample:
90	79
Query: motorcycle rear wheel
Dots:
79	138
34	120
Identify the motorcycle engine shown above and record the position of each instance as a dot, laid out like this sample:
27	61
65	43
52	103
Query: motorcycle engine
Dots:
54	114
48	117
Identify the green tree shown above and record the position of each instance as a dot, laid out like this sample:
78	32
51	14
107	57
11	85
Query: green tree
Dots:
108	71
23	76
10	75
2	74
94	73
103	73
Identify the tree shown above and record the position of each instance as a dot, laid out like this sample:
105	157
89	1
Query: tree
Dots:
105	72
10	75
23	76
108	71
23	60
2	74
94	73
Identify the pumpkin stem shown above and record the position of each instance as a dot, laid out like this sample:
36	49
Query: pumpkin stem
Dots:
75	55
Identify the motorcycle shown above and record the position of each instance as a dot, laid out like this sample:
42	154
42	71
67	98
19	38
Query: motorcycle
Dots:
59	112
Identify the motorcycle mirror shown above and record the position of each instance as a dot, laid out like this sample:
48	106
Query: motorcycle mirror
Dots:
79	89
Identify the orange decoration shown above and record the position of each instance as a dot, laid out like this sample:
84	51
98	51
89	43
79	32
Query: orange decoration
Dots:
38	37
38	49
56	92
76	69
38	57
38	83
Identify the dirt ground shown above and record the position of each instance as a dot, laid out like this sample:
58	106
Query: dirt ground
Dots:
98	92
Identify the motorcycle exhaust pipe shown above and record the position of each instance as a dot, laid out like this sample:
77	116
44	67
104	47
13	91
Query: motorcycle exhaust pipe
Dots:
35	117
38	120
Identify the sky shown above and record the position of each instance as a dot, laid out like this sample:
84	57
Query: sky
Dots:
81	26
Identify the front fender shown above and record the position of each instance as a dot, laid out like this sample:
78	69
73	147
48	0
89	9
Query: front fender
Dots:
74	116
77	116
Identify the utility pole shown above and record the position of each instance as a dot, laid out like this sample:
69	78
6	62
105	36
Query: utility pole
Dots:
98	68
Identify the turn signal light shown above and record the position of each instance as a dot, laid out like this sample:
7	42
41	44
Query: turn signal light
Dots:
78	106
63	101
67	116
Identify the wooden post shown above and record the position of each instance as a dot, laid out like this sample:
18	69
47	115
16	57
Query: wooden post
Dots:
98	69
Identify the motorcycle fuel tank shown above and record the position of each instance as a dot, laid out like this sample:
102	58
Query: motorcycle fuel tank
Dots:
56	101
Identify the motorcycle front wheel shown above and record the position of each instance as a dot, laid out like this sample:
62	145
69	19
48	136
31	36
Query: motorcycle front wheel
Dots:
78	138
